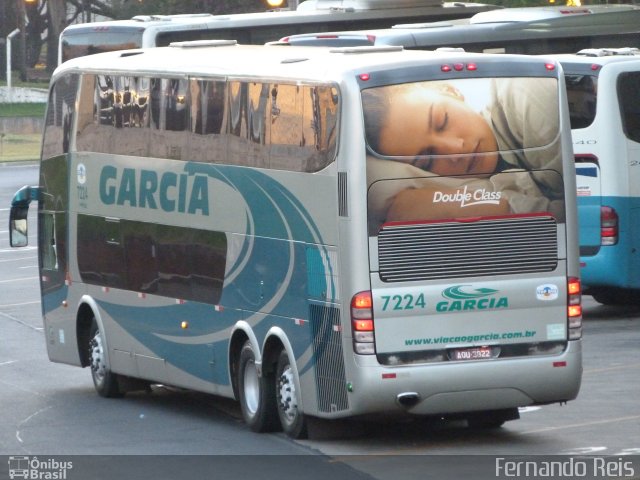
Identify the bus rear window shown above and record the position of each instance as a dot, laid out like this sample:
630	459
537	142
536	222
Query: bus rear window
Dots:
463	148
462	126
582	93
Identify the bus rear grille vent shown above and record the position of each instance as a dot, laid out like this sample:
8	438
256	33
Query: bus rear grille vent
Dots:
462	249
343	209
331	383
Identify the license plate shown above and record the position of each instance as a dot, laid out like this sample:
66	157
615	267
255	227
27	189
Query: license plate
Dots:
475	353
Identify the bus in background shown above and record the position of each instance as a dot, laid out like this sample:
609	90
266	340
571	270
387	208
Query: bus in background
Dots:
245	221
603	87
254	28
528	30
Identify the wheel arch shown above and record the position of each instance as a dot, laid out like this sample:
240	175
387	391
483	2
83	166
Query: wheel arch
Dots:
88	309
276	340
241	333
266	357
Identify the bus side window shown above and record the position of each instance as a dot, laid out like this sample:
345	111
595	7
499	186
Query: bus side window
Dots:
86	129
629	100
287	139
60	116
169	114
48	256
207	141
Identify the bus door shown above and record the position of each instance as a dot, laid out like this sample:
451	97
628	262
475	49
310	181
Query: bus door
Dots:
53	216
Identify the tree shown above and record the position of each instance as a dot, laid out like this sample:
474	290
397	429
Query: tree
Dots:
42	21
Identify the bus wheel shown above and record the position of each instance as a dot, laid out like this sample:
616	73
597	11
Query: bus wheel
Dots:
292	419
256	393
615	296
105	382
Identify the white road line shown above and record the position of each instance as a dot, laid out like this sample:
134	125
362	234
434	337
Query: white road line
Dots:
580	425
17	320
18	259
27	419
9	305
11	280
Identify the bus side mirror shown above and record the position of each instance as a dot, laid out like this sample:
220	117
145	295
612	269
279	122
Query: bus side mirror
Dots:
18	216
18	230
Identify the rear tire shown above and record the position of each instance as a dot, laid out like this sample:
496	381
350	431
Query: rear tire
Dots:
256	393
104	380
615	296
293	421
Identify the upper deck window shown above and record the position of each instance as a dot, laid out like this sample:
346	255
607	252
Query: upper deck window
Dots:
258	124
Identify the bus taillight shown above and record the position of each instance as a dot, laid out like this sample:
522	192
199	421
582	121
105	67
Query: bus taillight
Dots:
608	226
574	308
362	323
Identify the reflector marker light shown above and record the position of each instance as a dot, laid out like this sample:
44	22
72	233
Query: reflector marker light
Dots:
574	308
550	66
362	323
608	226
459	67
364	77
574	286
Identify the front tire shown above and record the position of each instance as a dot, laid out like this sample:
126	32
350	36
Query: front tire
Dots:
104	381
256	393
292	419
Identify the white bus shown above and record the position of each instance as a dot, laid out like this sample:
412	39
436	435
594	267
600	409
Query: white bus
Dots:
527	30
604	102
254	28
313	232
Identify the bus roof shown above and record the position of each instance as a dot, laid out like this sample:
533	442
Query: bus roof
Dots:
600	56
321	10
543	22
222	58
528	14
